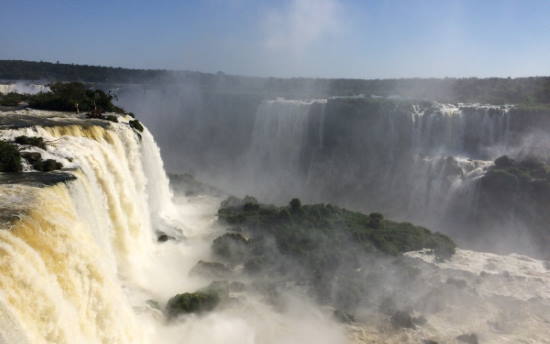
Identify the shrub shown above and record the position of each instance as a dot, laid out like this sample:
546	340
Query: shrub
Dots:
375	220
10	158
230	246
504	161
295	204
12	99
74	96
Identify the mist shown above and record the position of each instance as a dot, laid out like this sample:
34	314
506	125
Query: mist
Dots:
275	172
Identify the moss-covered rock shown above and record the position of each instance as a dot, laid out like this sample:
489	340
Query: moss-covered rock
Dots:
515	191
31	157
47	165
31	141
10	158
197	302
135	124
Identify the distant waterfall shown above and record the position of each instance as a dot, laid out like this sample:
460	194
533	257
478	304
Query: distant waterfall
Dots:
467	129
405	159
276	157
62	261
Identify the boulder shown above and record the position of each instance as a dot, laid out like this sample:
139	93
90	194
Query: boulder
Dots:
197	302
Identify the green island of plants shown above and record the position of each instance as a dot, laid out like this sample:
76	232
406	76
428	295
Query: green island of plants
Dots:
300	230
341	257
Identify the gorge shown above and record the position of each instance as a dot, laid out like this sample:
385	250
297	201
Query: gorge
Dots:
95	251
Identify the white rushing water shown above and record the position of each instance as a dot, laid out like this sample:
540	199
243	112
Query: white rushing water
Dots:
23	87
81	263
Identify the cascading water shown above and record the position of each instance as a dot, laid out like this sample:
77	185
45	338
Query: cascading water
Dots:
275	158
407	160
63	259
79	263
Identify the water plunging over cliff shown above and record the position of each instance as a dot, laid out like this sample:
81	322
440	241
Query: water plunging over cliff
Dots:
62	261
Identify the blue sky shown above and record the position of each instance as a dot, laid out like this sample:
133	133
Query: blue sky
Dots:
313	38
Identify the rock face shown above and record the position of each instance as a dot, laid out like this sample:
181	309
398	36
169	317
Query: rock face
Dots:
512	200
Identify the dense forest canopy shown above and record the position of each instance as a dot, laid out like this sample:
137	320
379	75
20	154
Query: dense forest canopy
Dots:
529	90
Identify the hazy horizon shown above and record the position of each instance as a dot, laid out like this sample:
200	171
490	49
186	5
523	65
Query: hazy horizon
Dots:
291	38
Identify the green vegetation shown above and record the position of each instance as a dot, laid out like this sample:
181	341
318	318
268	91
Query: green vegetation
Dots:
508	174
342	257
69	96
528	91
12	99
301	230
197	302
27	70
10	158
74	96
31	141
518	191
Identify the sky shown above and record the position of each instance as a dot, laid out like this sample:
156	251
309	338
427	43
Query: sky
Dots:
287	38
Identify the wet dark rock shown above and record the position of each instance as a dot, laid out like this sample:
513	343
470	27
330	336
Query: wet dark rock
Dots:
135	124
47	165
37	179
10	158
31	157
31	141
470	338
163	237
197	302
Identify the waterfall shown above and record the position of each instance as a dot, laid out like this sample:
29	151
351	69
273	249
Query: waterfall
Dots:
64	258
405	159
276	157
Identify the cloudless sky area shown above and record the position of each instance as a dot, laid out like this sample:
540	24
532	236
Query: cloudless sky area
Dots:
311	38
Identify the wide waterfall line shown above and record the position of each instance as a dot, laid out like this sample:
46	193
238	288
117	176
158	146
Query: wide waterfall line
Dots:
408	159
63	262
